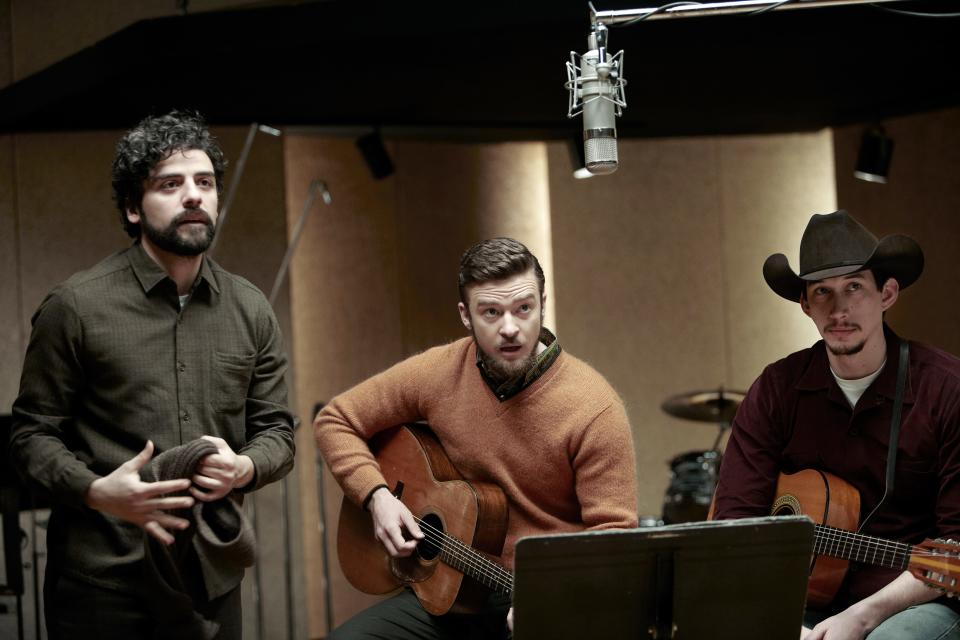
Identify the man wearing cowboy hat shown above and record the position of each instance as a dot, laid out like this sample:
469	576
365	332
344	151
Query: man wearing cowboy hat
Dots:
832	407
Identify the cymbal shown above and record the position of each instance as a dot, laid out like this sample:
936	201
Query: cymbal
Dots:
718	405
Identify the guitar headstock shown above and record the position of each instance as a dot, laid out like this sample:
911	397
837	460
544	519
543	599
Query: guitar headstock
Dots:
936	563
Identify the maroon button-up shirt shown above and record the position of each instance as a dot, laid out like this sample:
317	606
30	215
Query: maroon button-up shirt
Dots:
796	417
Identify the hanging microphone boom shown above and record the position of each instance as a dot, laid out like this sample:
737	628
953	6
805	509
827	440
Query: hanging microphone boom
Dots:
596	87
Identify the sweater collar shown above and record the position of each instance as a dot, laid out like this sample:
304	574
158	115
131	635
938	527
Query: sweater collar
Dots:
506	390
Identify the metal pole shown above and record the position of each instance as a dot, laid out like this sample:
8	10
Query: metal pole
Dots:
317	186
695	9
321	497
235	181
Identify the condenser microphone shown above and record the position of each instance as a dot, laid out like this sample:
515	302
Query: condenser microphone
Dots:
596	88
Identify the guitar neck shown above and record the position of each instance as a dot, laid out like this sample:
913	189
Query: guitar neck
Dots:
846	545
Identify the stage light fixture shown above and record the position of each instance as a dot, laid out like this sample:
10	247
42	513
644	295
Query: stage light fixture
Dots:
375	155
873	160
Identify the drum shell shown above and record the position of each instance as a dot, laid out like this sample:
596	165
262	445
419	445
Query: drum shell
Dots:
693	479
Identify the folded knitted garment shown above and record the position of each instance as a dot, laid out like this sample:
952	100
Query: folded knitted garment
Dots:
221	538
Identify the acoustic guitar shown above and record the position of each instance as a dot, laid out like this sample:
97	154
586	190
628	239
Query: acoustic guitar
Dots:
464	524
834	506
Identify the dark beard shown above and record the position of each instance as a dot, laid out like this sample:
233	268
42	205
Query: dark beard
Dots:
847	350
170	240
500	373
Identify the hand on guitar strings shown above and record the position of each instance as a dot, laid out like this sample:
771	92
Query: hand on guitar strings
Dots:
393	524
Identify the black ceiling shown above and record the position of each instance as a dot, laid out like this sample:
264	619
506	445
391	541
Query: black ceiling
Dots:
496	69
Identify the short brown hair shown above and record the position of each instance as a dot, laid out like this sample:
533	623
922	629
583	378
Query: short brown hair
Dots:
496	259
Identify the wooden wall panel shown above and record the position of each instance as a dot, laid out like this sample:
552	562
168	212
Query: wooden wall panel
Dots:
921	199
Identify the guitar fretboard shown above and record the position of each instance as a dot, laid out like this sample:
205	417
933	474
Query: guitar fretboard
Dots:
846	545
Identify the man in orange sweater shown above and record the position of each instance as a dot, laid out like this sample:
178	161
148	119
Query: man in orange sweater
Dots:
510	408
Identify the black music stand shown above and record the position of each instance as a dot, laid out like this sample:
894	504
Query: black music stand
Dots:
743	579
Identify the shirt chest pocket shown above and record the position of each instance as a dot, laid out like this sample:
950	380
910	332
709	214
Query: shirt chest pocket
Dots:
231	380
916	483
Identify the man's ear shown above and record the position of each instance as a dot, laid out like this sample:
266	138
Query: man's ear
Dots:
133	216
889	293
464	315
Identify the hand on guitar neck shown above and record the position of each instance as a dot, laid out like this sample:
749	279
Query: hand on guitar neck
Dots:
391	520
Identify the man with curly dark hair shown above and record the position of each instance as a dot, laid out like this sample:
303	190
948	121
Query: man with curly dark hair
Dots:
149	143
153	348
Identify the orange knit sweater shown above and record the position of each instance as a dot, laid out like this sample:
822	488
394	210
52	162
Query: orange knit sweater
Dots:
561	449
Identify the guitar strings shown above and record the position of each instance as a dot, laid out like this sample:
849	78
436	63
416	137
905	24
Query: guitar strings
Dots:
470	558
465	554
860	547
460	556
829	540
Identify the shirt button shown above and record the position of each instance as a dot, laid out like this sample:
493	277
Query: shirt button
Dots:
854	431
186	416
181	366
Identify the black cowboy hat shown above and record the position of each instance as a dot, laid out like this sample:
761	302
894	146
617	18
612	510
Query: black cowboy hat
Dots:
834	244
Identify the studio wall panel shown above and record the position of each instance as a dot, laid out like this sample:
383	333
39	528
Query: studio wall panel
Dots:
450	196
658	277
68	220
770	186
922	200
345	310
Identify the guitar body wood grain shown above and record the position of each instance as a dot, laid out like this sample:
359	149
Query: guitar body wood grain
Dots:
413	461
827	500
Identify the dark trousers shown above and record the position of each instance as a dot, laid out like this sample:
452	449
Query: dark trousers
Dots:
402	618
77	610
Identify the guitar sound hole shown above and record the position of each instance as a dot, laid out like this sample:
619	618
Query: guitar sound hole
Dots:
432	528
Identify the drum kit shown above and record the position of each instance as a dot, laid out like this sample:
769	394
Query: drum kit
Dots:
693	475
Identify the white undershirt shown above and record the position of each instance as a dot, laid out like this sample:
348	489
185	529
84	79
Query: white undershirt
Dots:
853	389
183	300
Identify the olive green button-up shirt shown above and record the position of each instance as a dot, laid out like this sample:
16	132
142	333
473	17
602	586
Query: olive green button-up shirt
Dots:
114	361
